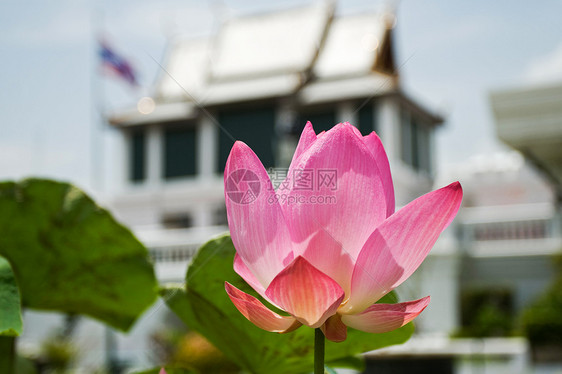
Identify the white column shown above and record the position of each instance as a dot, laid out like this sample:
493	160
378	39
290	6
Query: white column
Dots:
432	159
347	112
438	276
285	117
154	155
389	127
203	215
120	170
207	150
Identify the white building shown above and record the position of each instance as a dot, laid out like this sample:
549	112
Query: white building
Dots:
259	80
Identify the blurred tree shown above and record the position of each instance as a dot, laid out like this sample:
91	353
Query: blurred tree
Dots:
486	312
196	353
542	320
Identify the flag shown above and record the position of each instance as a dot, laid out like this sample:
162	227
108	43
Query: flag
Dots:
117	64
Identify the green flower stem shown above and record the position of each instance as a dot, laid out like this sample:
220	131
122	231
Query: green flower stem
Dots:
319	343
7	353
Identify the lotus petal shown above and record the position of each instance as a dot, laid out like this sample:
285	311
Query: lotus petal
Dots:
306	293
259	314
380	318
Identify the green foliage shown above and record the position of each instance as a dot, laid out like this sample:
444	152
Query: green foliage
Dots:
180	348
169	370
351	362
7	353
205	307
10	308
57	353
486	312
70	255
542	322
24	366
198	354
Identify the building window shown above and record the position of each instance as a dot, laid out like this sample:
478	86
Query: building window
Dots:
220	217
179	152
321	120
424	147
366	119
177	220
255	127
137	156
408	365
415	143
405	138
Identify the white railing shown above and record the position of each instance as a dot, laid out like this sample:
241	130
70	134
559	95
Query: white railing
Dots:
531	229
175	253
513	230
176	245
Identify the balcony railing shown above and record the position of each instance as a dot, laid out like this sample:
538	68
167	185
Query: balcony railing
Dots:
520	230
174	253
514	230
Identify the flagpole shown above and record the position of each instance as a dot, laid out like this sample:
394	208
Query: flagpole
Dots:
97	154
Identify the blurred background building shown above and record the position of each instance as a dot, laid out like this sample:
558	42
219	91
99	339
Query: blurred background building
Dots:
306	65
259	78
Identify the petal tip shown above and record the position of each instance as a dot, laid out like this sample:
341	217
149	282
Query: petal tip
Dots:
455	186
259	314
456	190
374	135
228	287
239	146
237	150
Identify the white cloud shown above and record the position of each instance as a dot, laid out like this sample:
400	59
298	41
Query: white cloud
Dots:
546	68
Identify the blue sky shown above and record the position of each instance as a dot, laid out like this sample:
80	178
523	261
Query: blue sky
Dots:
453	54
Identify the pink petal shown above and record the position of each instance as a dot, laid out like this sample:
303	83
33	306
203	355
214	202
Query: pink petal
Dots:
308	136
399	245
380	318
242	270
259	314
327	255
355	130
352	204
334	329
374	144
162	371
256	222
306	293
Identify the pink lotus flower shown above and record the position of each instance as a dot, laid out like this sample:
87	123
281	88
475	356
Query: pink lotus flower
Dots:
326	264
